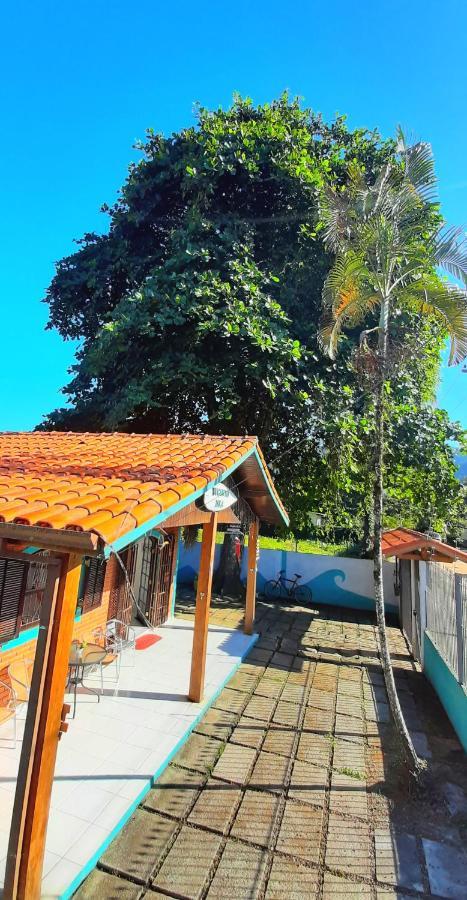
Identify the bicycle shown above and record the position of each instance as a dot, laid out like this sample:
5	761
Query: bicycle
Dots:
282	587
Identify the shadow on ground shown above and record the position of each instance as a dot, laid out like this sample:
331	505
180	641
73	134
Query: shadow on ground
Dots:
292	785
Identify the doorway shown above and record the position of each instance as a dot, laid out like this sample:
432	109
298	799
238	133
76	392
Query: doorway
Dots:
156	577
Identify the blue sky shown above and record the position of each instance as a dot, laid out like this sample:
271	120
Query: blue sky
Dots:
81	80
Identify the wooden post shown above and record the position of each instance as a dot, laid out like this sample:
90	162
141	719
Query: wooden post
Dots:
203	602
251	578
42	729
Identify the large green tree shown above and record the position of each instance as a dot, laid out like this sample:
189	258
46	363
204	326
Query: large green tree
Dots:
199	308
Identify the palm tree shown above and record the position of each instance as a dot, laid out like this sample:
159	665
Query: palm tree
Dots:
390	252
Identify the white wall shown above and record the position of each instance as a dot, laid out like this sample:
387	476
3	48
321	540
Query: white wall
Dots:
337	580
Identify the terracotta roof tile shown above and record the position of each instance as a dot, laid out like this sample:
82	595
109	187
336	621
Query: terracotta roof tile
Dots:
400	541
110	483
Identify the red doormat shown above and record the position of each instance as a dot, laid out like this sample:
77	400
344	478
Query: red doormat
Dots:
147	640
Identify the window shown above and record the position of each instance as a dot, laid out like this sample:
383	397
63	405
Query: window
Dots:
13	575
92	585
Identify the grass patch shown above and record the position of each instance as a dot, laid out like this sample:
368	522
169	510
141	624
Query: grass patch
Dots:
352	773
321	548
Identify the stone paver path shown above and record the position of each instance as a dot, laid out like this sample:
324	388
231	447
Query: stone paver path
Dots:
291	786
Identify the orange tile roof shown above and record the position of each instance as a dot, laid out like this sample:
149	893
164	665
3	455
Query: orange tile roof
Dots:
109	483
400	541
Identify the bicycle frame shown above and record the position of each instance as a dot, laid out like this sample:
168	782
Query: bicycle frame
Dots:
283	582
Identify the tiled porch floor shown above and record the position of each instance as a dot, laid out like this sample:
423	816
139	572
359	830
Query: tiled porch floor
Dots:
113	748
291	786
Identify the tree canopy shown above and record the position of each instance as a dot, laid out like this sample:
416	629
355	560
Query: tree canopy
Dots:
199	310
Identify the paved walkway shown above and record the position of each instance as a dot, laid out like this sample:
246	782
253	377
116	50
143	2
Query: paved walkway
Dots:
291	786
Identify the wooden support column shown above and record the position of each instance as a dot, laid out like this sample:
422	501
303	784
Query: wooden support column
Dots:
251	577
42	729
203	602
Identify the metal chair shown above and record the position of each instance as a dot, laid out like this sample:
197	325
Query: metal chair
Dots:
8	707
100	637
20	674
120	636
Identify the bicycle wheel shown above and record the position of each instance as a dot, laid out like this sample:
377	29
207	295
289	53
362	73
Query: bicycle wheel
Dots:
303	595
272	590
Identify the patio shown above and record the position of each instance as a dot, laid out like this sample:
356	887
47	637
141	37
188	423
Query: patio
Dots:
114	748
291	786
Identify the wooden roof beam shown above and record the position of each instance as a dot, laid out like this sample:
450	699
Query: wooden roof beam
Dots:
86	543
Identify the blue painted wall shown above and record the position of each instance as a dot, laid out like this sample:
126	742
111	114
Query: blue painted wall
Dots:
450	692
337	580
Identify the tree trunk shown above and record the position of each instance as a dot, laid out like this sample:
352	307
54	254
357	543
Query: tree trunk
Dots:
403	733
227	577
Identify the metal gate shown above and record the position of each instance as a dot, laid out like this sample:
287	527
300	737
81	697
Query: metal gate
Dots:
35	589
406	598
156	578
121	600
446	608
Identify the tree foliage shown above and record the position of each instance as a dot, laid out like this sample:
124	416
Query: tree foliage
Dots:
199	309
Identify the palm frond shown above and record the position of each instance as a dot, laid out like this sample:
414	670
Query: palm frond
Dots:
343	278
348	297
420	170
450	252
431	296
334	210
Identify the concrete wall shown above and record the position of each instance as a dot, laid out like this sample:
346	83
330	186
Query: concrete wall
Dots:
452	695
337	580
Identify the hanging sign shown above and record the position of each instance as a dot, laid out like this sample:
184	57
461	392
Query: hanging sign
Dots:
216	499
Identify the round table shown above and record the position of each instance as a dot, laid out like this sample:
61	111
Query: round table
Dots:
80	661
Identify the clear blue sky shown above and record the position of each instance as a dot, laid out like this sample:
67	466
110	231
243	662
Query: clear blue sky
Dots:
81	80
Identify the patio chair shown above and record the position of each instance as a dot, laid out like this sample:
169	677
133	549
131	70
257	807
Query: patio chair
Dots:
20	674
8	708
100	637
119	636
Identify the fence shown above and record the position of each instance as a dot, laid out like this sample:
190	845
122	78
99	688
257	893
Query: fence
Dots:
446	617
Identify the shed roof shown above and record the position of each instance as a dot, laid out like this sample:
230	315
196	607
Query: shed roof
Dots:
121	485
404	542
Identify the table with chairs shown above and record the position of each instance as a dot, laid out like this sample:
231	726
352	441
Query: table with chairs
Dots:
84	659
101	655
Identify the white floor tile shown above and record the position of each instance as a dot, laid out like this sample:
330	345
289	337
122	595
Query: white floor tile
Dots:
113	748
113	812
50	860
86	801
4	837
59	877
61	830
87	845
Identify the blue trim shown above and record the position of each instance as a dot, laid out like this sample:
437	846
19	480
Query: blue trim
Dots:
90	865
451	694
281	511
24	637
174	580
143	529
